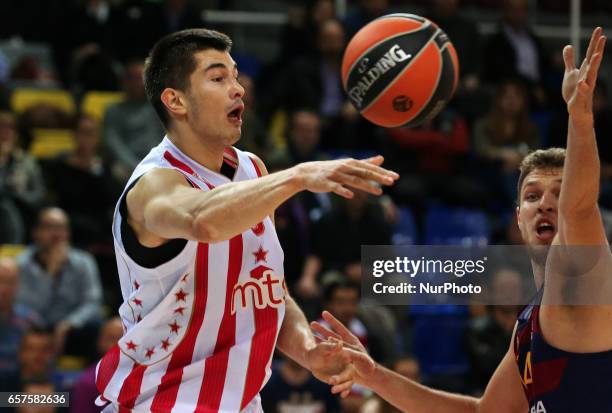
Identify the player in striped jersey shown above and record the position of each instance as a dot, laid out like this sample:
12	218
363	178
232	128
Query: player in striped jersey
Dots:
560	356
200	265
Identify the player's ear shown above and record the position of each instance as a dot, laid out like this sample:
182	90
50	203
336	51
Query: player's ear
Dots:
174	101
518	215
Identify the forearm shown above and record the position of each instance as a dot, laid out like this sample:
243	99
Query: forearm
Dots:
232	209
581	172
409	396
295	337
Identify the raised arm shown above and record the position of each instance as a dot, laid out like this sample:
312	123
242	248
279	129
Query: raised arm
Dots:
163	206
579	217
504	394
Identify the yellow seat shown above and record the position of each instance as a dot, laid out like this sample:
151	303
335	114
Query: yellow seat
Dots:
48	143
11	250
22	99
95	103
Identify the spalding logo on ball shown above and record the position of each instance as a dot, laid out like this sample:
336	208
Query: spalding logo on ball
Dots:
400	70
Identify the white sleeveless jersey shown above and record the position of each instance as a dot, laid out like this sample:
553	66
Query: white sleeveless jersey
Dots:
200	330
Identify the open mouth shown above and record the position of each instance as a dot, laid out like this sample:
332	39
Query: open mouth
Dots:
545	229
235	115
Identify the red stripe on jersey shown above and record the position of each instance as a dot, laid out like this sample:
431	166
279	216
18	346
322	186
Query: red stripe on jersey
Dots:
107	368
185	168
165	397
215	368
262	347
130	389
256	167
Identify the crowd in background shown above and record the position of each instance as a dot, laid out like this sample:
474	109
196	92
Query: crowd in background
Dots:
59	295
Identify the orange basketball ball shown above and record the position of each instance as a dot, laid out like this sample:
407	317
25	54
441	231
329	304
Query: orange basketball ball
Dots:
400	70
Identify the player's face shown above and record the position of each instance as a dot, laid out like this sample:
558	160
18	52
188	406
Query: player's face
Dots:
215	97
538	206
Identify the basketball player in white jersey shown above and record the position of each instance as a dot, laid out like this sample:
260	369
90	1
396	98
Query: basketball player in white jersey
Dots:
200	265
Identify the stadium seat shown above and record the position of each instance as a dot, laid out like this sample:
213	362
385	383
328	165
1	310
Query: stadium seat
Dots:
11	250
22	99
48	143
95	103
405	231
456	226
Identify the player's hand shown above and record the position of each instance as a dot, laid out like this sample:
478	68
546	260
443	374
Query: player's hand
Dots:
579	83
328	362
336	176
362	363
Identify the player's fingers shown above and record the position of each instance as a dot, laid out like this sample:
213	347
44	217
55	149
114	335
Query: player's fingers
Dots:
591	76
367	164
345	394
323	331
343	387
361	361
338	189
359	183
342	377
367	174
339	328
329	346
593	42
568	58
375	160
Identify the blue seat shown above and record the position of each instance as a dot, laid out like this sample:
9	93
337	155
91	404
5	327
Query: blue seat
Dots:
456	226
405	231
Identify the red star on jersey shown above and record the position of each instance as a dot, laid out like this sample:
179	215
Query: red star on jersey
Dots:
174	327
150	352
136	285
165	344
184	279
131	345
260	255
179	310
137	302
180	295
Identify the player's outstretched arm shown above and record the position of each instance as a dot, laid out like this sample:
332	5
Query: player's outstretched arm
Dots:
504	394
163	206
579	217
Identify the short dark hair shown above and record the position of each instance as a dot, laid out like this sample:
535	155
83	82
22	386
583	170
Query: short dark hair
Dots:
171	62
339	284
551	158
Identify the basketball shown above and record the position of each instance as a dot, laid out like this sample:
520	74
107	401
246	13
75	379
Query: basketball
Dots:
400	70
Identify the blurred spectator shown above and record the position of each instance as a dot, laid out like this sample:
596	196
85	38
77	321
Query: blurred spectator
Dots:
365	12
38	386
82	185
505	135
341	298
405	366
314	82
131	128
28	69
293	389
93	69
602	114
299	36
15	319
60	282
469	99
337	238
35	359
21	184
432	160
514	50
487	337
464	35
254	137
85	392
